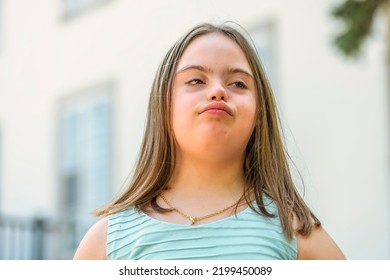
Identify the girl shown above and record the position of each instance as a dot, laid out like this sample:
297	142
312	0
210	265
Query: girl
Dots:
212	180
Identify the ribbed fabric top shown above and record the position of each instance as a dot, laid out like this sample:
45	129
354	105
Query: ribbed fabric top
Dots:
133	235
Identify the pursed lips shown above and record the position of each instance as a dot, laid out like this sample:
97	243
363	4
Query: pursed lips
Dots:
217	106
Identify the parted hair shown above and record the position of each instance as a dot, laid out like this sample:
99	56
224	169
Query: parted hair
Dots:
266	166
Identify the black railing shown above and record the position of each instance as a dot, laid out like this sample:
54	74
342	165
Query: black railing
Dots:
24	238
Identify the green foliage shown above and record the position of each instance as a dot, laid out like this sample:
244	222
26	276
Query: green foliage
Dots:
357	16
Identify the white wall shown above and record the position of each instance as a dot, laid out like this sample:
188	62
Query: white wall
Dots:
335	108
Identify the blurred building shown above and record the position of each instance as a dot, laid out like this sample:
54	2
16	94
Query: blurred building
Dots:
74	83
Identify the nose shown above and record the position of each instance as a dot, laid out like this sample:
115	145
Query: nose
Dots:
217	92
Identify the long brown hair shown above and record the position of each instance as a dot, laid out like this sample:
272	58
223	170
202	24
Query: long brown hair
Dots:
266	166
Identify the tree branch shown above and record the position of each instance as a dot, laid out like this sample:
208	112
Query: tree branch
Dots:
357	16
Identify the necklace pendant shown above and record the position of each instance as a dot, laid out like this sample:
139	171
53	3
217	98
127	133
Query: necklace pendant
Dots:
191	221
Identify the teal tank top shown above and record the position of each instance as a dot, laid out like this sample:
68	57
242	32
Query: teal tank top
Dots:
133	235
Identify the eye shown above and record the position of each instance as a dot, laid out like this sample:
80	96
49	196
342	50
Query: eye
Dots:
240	85
194	82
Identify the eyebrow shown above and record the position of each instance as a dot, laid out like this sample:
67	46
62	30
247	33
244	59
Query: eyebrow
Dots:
209	70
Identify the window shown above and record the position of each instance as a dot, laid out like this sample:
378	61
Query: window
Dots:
264	40
1	167
73	8
85	160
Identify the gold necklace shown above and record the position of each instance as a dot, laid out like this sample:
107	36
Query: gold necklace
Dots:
193	219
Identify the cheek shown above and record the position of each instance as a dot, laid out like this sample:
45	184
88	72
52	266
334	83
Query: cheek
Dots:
248	108
182	114
248	111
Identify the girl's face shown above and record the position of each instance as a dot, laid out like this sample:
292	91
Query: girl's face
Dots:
213	100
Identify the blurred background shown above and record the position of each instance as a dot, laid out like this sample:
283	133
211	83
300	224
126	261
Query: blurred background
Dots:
75	77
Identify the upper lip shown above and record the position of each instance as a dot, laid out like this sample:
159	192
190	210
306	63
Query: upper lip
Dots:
217	106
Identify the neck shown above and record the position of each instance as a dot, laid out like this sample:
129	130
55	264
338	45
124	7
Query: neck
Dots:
200	178
203	190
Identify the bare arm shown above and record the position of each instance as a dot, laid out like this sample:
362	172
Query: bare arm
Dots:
93	245
318	246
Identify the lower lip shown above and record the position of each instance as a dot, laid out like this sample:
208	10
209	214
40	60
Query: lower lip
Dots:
216	112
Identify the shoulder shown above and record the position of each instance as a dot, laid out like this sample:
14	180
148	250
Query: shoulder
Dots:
318	245
93	245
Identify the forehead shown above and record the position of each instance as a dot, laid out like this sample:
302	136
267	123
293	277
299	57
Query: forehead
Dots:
214	49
